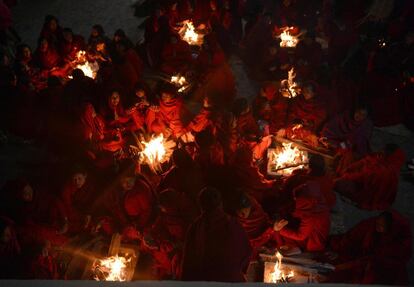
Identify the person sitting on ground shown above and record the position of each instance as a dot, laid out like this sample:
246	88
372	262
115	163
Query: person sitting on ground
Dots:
313	216
372	182
375	251
216	246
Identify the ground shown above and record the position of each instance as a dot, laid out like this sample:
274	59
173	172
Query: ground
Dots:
18	158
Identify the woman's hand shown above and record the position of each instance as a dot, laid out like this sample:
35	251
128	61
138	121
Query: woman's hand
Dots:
279	225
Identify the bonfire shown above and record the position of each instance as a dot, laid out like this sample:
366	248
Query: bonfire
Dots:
286	159
180	82
90	69
290	87
156	151
188	33
277	273
287	40
114	268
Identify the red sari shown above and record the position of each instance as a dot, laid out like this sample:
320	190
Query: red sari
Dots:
372	182
313	215
372	257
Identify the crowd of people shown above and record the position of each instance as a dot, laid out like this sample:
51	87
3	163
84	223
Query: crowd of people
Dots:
211	209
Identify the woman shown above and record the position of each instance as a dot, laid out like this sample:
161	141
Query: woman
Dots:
96	140
113	112
46	58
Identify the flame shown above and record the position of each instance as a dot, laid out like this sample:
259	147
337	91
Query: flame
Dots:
89	69
180	82
288	40
278	275
112	268
288	158
156	151
188	34
290	84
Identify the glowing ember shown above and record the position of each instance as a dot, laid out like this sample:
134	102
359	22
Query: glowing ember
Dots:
289	84
89	69
188	34
111	269
157	151
287	39
286	159
180	82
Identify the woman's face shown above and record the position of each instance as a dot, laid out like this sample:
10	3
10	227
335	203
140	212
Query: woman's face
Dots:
100	47
360	115
128	183
79	180
27	54
140	94
44	45
6	236
308	93
94	33
27	194
53	25
244	212
115	98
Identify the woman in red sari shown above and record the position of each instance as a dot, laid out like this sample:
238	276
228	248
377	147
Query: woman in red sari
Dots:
376	251
34	212
372	182
98	143
113	112
75	201
46	58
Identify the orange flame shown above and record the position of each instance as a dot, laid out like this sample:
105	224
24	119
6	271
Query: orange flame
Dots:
288	40
290	85
188	34
278	274
156	151
89	69
180	82
287	159
112	268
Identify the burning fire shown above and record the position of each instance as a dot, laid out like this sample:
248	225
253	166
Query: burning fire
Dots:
188	34
89	69
290	85
288	40
180	82
112	268
278	275
157	151
288	158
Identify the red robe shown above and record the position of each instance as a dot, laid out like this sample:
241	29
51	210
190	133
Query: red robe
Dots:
74	204
374	258
216	249
314	220
258	226
44	268
175	56
343	128
134	207
312	112
132	57
46	60
372	182
168	233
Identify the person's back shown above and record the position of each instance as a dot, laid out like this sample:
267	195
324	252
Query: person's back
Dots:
216	247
